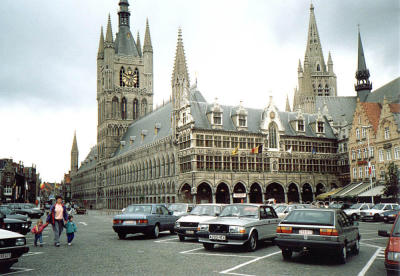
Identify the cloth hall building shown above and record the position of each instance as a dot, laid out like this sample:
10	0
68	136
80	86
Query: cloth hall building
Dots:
191	150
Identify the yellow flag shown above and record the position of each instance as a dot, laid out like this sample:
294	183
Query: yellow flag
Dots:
235	151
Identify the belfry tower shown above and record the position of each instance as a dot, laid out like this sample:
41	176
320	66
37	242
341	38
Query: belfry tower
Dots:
124	81
363	85
315	78
74	156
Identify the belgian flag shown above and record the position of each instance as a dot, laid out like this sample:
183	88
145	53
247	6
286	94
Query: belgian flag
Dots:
235	151
257	149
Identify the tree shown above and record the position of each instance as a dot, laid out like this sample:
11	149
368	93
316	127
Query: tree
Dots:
392	181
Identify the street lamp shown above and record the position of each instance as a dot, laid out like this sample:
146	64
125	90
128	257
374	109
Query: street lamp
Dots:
369	162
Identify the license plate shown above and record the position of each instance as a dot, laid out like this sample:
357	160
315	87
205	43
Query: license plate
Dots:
5	256
189	232
217	237
305	232
131	222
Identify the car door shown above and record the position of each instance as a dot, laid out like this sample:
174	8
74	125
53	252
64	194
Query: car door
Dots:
268	215
348	228
168	220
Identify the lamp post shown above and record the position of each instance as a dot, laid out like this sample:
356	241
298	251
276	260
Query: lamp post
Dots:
369	161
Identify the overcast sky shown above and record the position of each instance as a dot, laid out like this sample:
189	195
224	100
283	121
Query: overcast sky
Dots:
239	50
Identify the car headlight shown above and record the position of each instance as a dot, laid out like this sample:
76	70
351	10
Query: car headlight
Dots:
237	229
8	226
20	241
177	224
393	256
203	227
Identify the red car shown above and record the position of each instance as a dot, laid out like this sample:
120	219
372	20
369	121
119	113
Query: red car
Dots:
392	251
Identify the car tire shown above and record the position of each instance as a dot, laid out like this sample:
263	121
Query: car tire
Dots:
356	247
208	246
122	236
156	231
181	238
251	244
343	255
287	253
6	267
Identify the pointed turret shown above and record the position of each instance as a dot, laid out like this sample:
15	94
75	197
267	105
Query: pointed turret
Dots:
147	47
287	109
180	72
100	53
330	63
299	68
74	155
314	48
138	44
363	86
109	35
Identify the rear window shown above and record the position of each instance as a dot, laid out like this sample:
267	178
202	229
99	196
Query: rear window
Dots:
311	217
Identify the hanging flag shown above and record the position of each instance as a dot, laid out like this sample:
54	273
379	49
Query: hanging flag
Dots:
257	149
235	151
289	150
369	168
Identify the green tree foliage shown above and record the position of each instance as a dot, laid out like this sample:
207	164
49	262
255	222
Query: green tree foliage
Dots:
392	181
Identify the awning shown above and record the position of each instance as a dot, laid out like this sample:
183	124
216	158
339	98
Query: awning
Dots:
331	192
375	191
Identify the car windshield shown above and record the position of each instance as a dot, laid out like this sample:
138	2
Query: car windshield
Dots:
355	206
206	210
280	209
29	205
5	210
240	211
311	217
178	207
336	206
378	207
396	207
143	209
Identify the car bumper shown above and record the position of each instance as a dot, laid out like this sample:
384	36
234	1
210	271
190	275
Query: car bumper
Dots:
389	219
186	231
16	252
132	229
299	245
394	268
231	239
369	217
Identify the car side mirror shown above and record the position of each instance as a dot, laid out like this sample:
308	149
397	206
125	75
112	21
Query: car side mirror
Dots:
170	213
383	233
216	214
286	212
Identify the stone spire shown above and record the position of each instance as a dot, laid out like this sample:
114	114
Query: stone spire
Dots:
314	48
74	155
109	35
299	68
138	44
287	109
100	53
180	72
363	85
330	63
147	47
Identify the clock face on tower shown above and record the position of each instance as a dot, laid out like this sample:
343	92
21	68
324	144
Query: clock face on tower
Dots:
130	78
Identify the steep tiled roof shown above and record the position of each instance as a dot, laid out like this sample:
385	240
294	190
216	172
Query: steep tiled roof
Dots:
339	107
391	91
394	108
90	160
373	112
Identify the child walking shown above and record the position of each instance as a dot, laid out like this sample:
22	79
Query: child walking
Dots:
71	229
38	230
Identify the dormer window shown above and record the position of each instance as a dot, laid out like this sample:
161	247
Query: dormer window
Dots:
320	127
300	125
242	121
217	118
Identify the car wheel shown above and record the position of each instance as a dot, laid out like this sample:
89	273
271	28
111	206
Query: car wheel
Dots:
172	231
156	231
208	246
121	236
181	237
252	243
287	253
356	248
5	267
343	255
376	217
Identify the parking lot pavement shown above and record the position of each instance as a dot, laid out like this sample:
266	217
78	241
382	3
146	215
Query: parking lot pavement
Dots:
97	250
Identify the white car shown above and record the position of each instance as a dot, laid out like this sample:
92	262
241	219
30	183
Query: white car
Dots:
283	210
376	212
12	246
186	226
355	210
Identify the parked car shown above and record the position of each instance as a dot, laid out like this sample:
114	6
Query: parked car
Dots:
354	211
9	213
376	212
26	209
12	246
319	230
15	225
80	210
283	210
239	224
390	216
341	206
392	251
186	226
180	209
148	219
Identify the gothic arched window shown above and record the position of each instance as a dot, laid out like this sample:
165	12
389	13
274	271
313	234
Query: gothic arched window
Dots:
121	77
123	109
318	68
326	90
136	73
272	139
144	107
320	90
114	107
135	109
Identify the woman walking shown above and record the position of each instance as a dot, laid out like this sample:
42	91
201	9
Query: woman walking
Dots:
58	215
